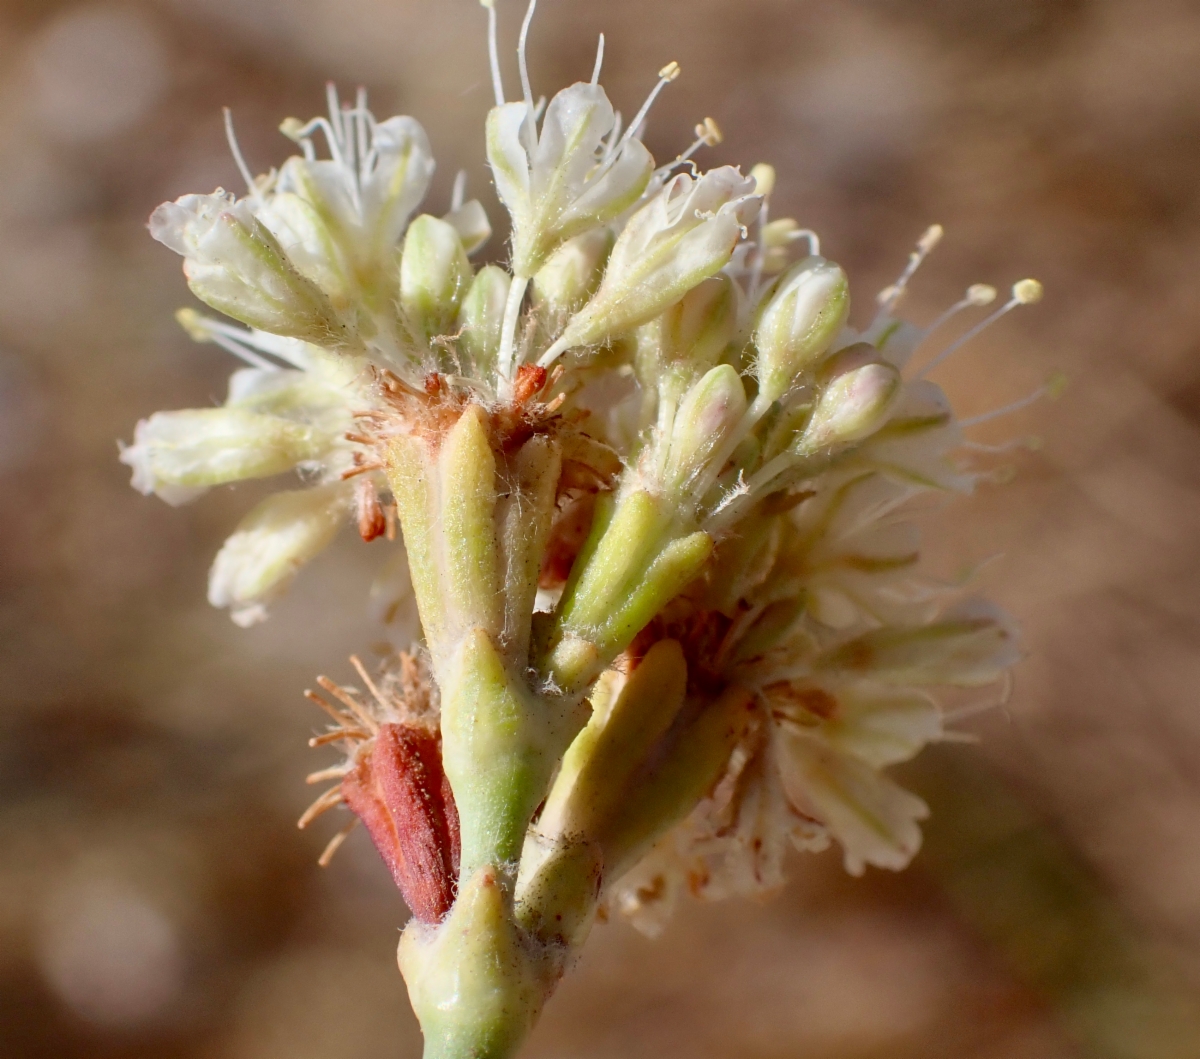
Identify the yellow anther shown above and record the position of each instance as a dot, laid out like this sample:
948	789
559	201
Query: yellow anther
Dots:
671	71
1028	291
931	238
709	132
981	294
763	176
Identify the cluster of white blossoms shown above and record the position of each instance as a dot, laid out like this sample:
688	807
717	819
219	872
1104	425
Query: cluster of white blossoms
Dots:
652	487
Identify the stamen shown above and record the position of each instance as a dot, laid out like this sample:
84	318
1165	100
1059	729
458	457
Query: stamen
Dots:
350	702
327	801
494	52
980	294
599	60
202	329
891	295
460	190
665	76
244	169
614	137
1052	387
361	128
508	331
708	134
1032	443
521	41
814	240
335	843
335	112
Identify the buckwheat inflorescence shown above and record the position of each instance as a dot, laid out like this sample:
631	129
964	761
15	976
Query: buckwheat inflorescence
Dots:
652	490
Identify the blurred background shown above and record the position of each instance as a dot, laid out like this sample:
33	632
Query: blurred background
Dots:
155	896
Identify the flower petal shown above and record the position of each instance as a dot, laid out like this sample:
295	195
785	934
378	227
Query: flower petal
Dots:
270	545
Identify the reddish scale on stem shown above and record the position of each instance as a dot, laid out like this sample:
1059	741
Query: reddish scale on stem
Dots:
400	792
372	522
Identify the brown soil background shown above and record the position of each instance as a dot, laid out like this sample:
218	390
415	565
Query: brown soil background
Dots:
155	897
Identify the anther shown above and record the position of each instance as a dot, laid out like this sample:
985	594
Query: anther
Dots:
665	76
709	133
1027	291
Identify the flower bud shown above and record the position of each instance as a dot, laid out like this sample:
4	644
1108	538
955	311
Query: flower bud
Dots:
798	323
180	454
233	263
572	273
710	411
702	323
481	318
854	404
434	274
270	545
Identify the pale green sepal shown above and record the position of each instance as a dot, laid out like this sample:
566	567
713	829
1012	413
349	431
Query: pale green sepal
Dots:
708	414
476	982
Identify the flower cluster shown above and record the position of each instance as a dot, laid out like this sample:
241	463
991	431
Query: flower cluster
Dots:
654	492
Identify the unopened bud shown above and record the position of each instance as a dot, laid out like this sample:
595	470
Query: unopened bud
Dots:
434	273
481	318
799	322
852	406
710	411
573	272
700	325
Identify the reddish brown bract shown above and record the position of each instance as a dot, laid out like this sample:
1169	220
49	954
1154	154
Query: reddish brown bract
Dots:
400	791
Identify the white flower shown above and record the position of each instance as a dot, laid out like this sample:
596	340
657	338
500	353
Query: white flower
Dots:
233	263
681	237
559	182
270	545
874	819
